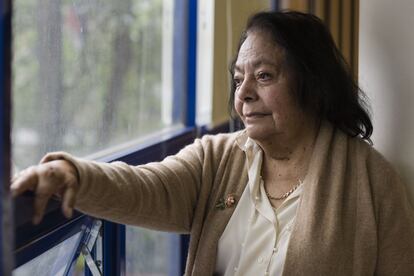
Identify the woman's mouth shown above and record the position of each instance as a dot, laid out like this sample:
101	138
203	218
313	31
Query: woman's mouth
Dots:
255	115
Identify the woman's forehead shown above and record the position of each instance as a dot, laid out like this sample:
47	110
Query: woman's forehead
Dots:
255	63
259	49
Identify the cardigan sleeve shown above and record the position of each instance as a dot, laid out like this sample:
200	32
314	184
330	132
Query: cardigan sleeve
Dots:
160	195
395	229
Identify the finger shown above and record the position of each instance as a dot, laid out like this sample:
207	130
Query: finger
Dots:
68	203
22	172
44	190
40	203
17	175
51	157
26	180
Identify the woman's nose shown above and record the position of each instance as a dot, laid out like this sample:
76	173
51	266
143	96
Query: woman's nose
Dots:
247	91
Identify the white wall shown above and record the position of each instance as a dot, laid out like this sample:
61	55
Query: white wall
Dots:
386	74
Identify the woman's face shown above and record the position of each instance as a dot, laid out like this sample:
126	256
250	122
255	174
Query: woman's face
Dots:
263	98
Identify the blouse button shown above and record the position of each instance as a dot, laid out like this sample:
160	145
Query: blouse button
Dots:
260	260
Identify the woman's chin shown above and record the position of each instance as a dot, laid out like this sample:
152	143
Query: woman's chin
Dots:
259	133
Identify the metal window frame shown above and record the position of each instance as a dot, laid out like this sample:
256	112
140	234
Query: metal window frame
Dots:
6	233
37	247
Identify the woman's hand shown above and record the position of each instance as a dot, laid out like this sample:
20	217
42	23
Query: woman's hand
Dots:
57	177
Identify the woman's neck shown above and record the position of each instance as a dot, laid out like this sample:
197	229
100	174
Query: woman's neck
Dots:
288	157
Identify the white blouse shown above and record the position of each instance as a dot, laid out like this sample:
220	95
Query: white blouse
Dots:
256	238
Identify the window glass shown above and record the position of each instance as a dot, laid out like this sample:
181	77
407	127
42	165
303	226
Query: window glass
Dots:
147	252
89	75
53	262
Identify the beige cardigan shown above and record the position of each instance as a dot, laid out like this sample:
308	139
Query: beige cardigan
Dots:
353	219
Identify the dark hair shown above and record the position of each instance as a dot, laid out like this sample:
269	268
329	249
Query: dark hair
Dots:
323	82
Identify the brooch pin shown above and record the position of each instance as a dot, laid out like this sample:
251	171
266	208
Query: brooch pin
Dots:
226	203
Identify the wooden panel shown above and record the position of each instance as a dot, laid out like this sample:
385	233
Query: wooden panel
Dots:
319	8
334	18
355	35
297	5
346	41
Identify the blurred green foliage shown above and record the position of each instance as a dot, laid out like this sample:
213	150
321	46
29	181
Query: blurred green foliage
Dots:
87	75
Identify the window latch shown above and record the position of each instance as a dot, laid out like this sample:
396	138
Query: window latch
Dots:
88	244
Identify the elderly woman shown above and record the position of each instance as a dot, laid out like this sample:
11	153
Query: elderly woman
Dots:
299	191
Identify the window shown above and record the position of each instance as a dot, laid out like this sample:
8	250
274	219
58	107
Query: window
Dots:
148	253
90	77
51	262
104	80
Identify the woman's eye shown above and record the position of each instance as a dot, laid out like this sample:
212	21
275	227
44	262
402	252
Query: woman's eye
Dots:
264	76
237	82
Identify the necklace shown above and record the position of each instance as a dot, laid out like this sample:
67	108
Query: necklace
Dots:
285	195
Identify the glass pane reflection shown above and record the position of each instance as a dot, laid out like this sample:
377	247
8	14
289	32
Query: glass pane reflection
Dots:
52	262
147	252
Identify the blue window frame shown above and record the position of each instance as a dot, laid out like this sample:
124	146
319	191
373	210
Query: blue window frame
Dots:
33	241
5	77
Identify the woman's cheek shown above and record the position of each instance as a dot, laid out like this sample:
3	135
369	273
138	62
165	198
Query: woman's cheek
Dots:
238	106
